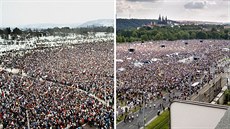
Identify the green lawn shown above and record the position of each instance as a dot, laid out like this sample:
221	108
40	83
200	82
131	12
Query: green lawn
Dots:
161	122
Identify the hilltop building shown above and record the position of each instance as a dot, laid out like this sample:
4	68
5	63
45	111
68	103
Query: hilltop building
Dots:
162	20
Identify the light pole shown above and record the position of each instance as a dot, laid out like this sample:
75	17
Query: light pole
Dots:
212	71
227	70
28	120
190	86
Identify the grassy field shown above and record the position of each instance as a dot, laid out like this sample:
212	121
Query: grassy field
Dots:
161	122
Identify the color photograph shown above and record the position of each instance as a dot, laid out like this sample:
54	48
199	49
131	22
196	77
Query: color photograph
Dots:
172	64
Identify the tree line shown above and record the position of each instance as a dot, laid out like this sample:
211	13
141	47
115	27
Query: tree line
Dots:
64	31
170	33
122	24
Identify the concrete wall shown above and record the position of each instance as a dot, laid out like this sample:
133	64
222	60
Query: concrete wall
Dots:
211	89
221	99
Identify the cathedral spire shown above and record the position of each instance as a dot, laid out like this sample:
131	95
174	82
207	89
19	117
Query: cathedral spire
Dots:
159	19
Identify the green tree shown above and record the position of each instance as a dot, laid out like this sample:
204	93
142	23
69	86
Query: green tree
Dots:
132	39
178	35
118	39
201	35
134	34
213	29
192	35
159	36
227	96
123	39
225	35
215	35
144	37
184	34
171	37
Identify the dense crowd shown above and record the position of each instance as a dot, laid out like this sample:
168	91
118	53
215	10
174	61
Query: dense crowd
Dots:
63	87
155	68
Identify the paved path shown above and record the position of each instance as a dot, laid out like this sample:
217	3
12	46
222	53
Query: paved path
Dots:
148	112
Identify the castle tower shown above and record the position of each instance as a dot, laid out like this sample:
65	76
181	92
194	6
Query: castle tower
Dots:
166	20
159	19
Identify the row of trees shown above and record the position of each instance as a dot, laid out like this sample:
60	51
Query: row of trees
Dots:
172	33
7	31
28	33
227	97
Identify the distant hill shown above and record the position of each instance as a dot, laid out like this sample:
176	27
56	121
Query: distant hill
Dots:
100	22
132	23
48	25
95	23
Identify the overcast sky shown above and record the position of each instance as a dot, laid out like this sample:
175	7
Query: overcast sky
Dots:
24	12
199	10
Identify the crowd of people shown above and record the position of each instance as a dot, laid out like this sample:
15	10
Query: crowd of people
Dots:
152	69
62	87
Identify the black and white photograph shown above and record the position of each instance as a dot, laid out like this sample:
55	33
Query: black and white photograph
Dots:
57	64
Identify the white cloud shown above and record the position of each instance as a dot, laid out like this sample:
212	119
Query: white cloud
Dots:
195	5
200	4
122	7
200	10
